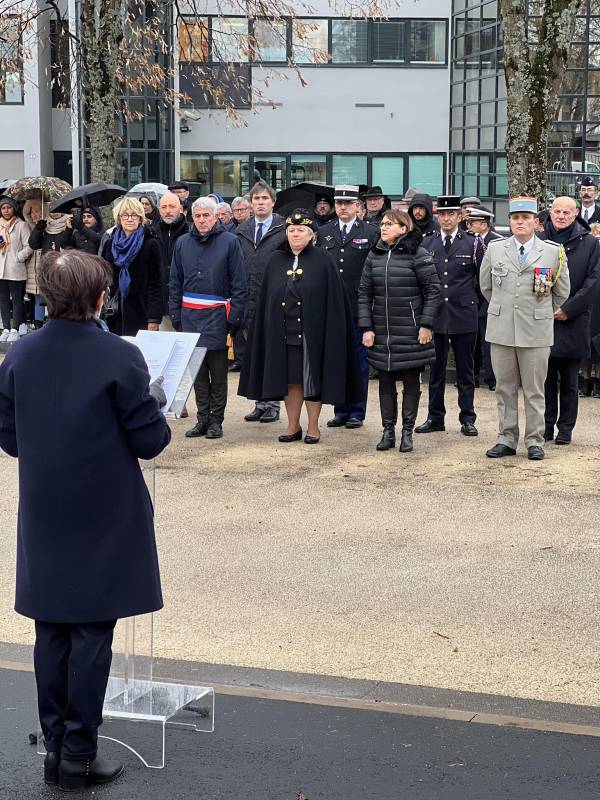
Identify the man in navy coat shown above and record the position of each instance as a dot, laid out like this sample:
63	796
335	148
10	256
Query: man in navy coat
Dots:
76	410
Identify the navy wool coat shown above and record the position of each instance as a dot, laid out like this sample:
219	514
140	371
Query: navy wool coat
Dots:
76	411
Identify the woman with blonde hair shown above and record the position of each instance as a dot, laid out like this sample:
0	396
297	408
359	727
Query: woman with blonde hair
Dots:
134	254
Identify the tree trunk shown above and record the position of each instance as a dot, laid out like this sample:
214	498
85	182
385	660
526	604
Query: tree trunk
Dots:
102	34
534	72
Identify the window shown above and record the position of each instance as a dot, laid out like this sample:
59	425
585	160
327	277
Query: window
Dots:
388	173
193	40
389	42
349	169
11	64
271	40
230	39
195	169
310	40
501	176
428	42
272	170
349	41
230	175
427	174
310	169
60	74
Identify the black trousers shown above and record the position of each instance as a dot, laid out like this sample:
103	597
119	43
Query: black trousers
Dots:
463	346
410	379
72	662
483	356
561	381
210	387
15	291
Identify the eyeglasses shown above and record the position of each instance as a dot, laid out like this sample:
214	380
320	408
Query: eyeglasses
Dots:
129	216
388	224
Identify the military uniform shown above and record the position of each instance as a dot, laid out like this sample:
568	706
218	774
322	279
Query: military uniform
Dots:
520	328
456	323
350	254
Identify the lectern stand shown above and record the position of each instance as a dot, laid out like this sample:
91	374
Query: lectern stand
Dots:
137	707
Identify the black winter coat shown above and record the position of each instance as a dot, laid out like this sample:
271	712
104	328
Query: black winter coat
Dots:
331	367
572	337
399	293
40	239
84	238
429	224
256	257
144	301
76	411
167	235
207	278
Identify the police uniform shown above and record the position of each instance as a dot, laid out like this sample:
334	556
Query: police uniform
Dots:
456	323
350	253
593	213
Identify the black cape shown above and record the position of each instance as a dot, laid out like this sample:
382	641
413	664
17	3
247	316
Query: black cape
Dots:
331	366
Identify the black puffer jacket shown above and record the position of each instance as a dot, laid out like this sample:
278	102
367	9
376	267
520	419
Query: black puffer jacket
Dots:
399	293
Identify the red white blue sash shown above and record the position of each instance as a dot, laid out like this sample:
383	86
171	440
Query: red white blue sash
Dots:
205	301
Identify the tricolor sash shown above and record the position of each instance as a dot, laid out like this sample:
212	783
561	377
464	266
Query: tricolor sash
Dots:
205	301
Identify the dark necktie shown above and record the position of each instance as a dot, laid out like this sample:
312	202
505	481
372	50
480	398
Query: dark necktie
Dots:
447	243
259	233
344	234
522	256
480	249
585	215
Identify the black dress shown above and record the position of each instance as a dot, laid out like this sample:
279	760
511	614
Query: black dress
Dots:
309	307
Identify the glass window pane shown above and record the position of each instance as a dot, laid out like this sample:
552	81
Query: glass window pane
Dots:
471	115
469	185
349	41
192	35
457	93
488	89
312	169
230	39
195	169
151	119
502	112
501	177
594	57
426	173
472	92
137	168
471	165
135	117
593	82
272	170
389	174
570	108
457	116
271	40
388	42
309	40
488	113
227	175
501	137
486	139
471	139
11	78
428	41
576	56
484	176
349	169
594	29
457	140
13	87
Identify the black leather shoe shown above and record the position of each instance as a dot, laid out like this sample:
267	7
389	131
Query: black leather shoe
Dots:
51	764
269	415
354	422
562	438
429	426
311	439
535	453
254	416
199	429
549	435
388	439
291	437
215	431
468	429
336	422
76	775
491	387
500	450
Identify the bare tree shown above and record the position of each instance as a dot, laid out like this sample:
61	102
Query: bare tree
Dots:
535	60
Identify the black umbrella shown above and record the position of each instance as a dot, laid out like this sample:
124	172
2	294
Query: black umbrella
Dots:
302	195
90	194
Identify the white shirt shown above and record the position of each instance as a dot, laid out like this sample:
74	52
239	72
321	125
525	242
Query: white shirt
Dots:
588	211
527	245
451	235
348	225
266	224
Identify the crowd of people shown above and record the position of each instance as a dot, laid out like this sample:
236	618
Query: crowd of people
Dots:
317	301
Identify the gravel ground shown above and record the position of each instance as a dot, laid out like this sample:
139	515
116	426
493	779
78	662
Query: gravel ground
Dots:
437	568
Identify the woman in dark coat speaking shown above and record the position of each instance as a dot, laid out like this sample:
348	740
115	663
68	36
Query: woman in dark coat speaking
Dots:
398	297
301	344
77	411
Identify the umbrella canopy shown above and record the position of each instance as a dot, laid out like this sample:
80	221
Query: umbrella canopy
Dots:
5	183
90	194
302	195
143	188
38	187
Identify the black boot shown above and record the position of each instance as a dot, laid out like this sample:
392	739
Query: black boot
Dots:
76	775
388	404
410	408
51	765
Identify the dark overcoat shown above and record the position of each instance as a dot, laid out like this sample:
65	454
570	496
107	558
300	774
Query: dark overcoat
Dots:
399	293
350	255
256	257
457	270
572	337
76	411
332	370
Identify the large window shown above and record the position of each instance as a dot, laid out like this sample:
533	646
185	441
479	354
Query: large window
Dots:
388	172
195	169
270	37
309	40
428	42
272	170
389	43
349	169
349	41
11	63
427	174
230	39
308	169
230	175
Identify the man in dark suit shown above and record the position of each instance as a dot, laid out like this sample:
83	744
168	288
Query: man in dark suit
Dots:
349	240
456	322
479	225
588	194
77	411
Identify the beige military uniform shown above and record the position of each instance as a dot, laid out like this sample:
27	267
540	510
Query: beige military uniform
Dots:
520	329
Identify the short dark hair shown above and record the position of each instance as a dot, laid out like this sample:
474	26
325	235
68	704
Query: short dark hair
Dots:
399	217
261	186
71	282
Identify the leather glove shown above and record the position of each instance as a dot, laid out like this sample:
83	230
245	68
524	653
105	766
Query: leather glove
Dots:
41	225
157	392
78	221
232	330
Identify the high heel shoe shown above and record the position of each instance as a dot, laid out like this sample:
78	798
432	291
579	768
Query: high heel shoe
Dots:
291	437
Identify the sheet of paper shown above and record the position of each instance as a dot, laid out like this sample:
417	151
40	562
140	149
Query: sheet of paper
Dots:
172	369
156	351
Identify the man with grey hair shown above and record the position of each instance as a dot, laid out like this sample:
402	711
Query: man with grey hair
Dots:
225	214
572	339
241	209
207	294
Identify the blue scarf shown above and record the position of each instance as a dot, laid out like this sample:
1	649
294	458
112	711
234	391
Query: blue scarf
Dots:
124	250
